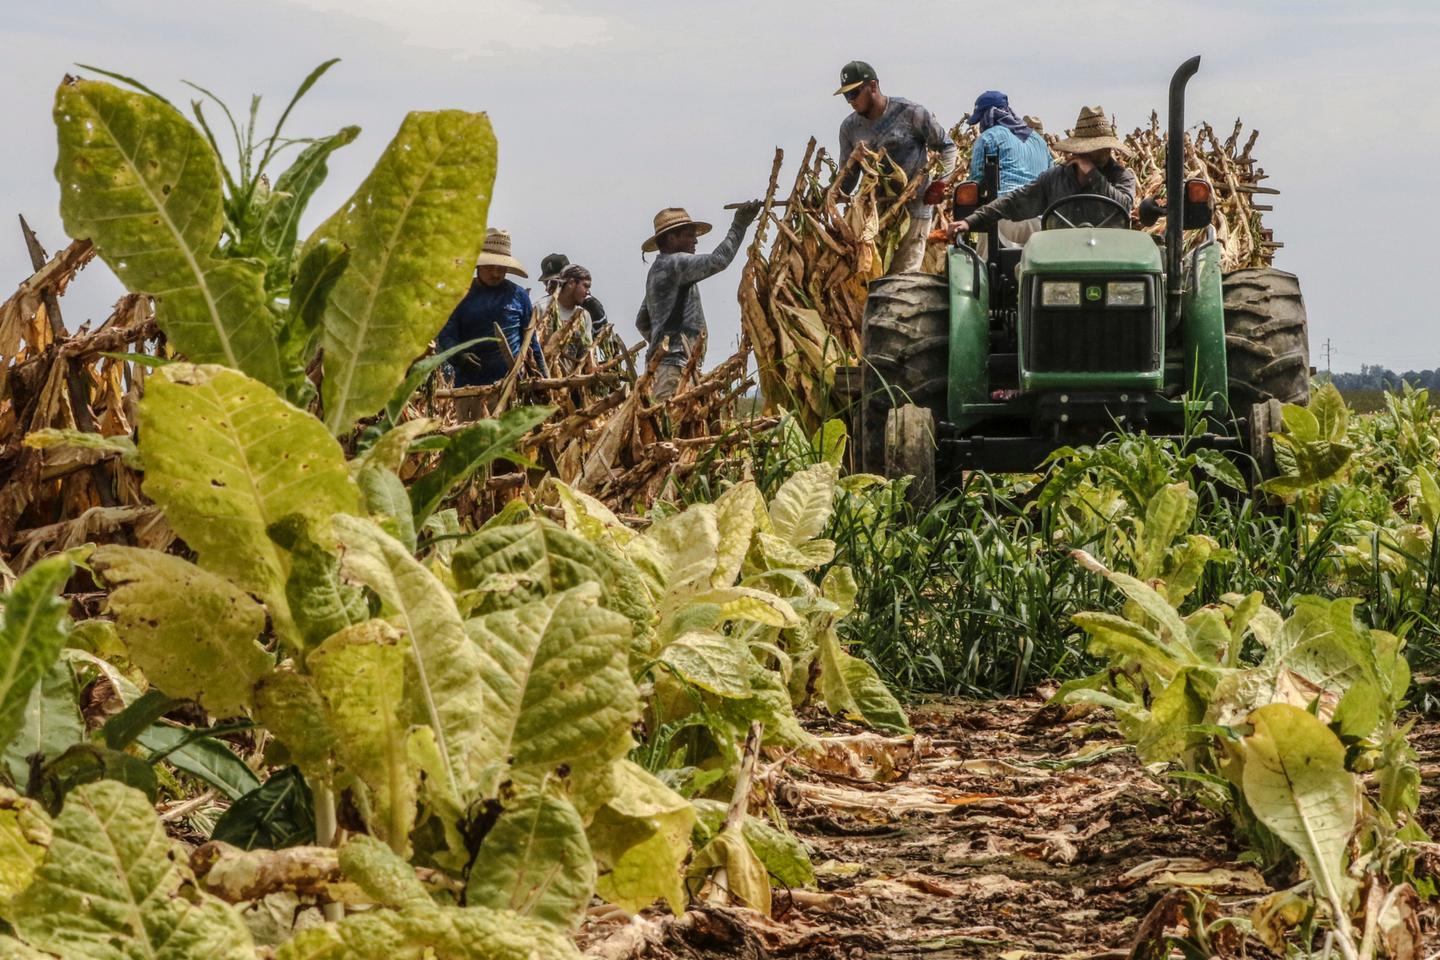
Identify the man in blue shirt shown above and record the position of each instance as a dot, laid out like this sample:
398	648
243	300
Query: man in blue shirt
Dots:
1022	153
493	308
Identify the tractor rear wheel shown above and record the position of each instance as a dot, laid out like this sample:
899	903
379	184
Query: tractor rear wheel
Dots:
1267	345
910	451
906	356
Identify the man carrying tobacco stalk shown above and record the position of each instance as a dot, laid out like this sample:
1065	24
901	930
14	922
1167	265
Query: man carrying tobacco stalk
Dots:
907	132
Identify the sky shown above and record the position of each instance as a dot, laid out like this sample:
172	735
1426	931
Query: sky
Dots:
607	111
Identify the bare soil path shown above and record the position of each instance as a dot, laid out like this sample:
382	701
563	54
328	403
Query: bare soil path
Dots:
1002	830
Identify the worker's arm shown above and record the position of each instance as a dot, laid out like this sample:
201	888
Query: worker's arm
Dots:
938	140
688	268
1022	204
1116	182
643	322
847	147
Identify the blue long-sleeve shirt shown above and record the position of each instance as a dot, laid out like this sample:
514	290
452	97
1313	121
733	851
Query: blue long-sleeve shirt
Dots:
493	312
1021	161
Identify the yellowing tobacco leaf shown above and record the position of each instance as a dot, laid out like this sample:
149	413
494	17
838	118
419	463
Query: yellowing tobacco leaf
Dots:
226	457
413	229
141	182
193	633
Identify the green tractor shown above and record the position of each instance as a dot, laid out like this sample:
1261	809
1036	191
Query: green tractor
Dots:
1089	328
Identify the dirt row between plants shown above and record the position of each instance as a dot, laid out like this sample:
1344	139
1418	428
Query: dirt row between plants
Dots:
1002	830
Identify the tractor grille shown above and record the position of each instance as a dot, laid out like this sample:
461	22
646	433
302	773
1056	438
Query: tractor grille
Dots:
1092	338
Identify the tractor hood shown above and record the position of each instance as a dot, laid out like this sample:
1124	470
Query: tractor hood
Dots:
1091	250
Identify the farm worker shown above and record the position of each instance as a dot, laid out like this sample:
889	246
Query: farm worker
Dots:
1021	153
907	132
493	308
550	269
671	312
1090	168
563	306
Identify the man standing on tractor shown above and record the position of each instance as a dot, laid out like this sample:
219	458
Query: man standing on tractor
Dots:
671	313
1090	167
1021	152
907	132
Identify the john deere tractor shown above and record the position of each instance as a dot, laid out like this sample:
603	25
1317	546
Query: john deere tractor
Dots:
1089	328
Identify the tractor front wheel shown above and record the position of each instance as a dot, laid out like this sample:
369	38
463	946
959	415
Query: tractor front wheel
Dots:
1267	345
906	356
910	451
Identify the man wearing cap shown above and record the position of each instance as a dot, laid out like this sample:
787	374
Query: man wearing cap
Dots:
671	313
1090	168
550	269
907	132
563	309
1022	155
494	308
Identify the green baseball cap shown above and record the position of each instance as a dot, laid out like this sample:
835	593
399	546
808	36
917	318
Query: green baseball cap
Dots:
853	74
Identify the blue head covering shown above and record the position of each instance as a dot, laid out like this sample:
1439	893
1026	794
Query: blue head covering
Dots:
992	108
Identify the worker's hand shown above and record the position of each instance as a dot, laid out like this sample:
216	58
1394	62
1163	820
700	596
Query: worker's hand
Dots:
748	211
957	228
935	193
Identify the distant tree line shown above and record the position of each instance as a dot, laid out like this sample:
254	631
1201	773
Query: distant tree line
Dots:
1376	377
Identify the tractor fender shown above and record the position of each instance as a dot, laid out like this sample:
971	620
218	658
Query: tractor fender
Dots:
969	333
1202	314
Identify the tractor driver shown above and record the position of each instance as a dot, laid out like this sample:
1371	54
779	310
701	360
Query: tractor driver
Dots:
1090	167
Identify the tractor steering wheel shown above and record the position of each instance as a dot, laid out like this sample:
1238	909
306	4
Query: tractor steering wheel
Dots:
1117	215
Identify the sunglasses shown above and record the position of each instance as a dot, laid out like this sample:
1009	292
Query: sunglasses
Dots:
851	95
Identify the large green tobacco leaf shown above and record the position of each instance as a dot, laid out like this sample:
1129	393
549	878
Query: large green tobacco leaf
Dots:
226	458
782	853
711	661
413	228
360	674
421	933
191	632
52	722
558	681
746	879
853	689
278	813
641	838
290	707
34	630
445	685
142	183
535	861
737	511
320	602
802	505
1295	781
115	887
25	836
517	563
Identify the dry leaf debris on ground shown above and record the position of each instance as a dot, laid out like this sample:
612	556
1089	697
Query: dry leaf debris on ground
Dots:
1001	830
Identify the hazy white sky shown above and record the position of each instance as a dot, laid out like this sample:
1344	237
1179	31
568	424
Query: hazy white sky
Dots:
607	111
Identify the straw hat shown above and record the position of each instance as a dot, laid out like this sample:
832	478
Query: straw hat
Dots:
496	253
1033	123
669	219
1093	131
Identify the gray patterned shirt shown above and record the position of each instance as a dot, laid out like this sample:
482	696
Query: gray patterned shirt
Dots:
908	132
668	274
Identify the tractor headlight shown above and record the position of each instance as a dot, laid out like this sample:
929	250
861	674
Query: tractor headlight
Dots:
1125	293
1060	293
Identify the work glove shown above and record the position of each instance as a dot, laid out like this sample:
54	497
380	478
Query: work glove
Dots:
747	212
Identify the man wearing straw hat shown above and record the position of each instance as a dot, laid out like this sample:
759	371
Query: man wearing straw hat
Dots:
493	310
1090	168
671	315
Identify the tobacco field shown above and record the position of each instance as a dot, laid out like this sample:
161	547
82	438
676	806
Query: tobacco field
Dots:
295	665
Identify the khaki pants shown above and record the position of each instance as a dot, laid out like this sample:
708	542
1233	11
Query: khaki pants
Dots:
666	380
911	251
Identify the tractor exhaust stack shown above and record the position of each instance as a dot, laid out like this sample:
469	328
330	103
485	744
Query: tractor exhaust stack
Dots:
1175	188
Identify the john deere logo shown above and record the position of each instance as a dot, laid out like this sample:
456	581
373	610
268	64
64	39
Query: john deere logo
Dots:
1093	293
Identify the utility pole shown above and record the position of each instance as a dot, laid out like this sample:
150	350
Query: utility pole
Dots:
1327	355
